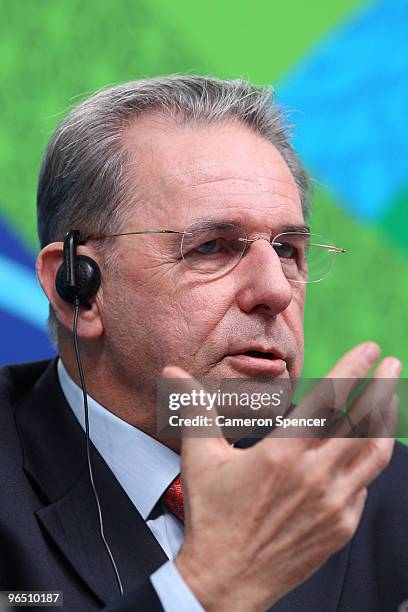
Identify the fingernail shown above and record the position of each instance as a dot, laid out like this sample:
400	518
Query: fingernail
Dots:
174	372
394	367
167	372
371	352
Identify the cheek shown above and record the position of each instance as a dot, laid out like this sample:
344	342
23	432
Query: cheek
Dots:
294	316
189	316
170	318
297	305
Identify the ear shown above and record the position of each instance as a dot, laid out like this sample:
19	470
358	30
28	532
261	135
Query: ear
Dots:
49	260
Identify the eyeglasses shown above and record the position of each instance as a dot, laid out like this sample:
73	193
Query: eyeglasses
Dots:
216	247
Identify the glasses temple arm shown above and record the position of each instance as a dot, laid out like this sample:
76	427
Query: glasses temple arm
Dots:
103	237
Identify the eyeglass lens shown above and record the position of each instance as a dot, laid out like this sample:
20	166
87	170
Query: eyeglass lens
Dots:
215	248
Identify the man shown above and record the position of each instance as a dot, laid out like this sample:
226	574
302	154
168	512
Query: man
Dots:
281	524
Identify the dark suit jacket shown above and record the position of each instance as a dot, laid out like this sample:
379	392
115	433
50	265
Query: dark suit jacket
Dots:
49	536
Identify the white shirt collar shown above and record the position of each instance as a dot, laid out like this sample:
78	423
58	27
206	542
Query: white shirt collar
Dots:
143	466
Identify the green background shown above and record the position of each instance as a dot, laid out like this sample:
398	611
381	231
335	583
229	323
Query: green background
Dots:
54	53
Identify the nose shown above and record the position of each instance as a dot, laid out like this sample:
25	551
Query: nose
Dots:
262	285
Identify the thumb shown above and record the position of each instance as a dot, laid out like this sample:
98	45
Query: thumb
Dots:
201	437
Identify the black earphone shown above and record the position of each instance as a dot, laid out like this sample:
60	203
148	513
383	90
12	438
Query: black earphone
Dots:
77	281
79	276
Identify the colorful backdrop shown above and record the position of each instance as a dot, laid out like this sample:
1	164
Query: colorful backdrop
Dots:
340	67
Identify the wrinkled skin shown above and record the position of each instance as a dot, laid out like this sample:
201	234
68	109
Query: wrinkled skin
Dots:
152	310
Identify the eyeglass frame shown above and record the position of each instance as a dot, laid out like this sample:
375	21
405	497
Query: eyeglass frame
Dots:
330	248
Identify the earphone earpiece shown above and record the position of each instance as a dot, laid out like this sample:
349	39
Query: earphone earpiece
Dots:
79	277
88	281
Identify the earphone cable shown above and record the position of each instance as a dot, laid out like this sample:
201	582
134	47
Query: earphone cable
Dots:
88	452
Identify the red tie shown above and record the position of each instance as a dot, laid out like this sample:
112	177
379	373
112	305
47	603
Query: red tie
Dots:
174	499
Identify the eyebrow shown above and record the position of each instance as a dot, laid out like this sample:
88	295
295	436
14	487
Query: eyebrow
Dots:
302	229
214	224
220	224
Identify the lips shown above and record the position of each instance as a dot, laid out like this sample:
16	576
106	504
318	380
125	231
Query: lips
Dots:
258	351
255	361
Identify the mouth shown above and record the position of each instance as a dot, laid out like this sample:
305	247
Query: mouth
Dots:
259	354
258	362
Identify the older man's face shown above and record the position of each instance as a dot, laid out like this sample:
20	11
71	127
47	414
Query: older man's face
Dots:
157	311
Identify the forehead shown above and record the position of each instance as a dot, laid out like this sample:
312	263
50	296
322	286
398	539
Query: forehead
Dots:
187	173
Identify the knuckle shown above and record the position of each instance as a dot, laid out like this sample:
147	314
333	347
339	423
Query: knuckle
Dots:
314	479
383	451
270	457
363	495
346	526
345	516
276	456
334	509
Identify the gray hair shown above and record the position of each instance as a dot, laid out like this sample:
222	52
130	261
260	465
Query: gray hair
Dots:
84	183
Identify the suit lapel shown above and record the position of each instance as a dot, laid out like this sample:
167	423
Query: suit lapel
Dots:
55	463
321	592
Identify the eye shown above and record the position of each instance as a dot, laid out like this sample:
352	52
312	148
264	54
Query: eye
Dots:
286	250
209	247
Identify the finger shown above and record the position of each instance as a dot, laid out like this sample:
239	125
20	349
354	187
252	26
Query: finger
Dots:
337	452
357	504
205	436
334	453
369	414
373	414
357	362
386	422
372	459
328	396
369	463
345	375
